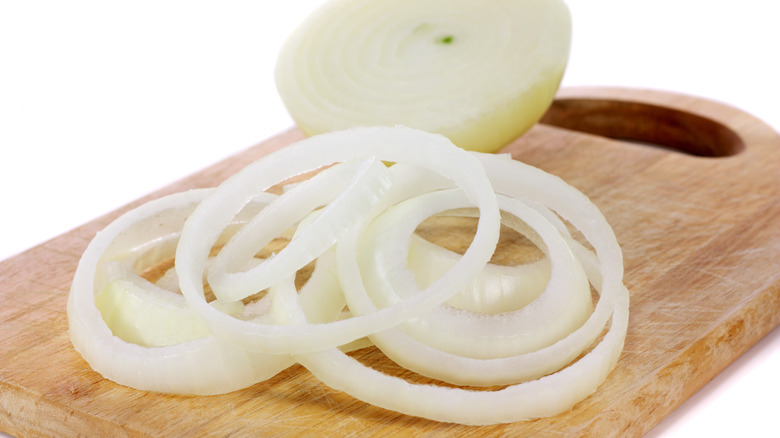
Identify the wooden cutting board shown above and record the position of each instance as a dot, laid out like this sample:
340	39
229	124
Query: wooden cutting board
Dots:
698	220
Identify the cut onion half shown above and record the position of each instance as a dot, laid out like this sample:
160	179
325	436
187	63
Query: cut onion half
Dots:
480	73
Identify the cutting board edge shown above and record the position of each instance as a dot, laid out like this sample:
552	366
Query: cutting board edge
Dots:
685	375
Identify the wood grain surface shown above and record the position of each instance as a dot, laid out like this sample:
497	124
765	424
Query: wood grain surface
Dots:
698	219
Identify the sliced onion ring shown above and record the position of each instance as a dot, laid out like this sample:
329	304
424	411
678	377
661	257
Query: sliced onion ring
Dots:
243	349
497	289
395	144
561	308
347	191
545	396
204	366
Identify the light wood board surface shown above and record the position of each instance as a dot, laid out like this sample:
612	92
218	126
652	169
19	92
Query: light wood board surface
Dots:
701	241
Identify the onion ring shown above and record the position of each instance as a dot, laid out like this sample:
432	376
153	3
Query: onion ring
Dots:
395	144
203	366
548	395
362	262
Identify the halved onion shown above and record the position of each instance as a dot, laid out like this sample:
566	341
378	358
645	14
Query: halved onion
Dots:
479	72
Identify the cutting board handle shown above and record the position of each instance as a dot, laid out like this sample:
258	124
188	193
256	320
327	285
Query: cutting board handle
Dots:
626	114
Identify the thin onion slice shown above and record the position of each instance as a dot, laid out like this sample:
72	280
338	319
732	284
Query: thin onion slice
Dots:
498	288
394	144
203	366
346	192
142	313
363	262
548	395
561	308
142	335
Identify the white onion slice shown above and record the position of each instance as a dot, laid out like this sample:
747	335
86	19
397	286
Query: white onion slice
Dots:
395	144
563	306
347	191
202	366
480	73
142	313
545	396
367	269
497	289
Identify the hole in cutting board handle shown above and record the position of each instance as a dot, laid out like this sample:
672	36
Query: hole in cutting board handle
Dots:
645	123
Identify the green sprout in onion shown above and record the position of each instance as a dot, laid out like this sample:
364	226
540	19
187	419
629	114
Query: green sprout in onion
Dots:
446	39
380	63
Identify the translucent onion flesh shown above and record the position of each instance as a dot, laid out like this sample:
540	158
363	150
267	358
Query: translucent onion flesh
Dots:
202	366
366	261
430	151
480	73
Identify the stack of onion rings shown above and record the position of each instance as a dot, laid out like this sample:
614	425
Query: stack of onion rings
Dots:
230	318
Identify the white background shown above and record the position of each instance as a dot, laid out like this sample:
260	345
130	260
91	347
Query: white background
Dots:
102	102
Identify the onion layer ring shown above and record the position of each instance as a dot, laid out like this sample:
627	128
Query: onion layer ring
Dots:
207	221
363	262
202	366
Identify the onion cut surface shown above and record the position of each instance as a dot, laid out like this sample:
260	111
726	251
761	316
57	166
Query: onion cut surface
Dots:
480	73
539	334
